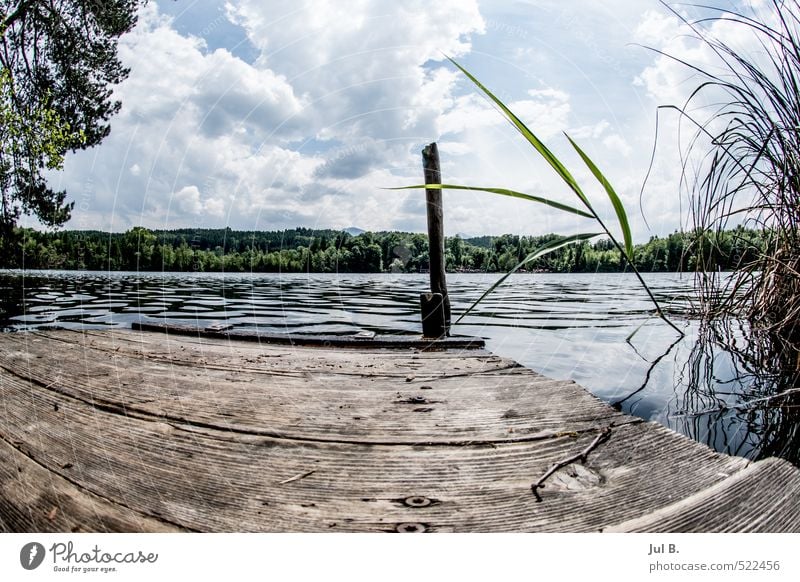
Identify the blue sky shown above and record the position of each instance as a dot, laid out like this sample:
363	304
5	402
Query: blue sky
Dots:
268	115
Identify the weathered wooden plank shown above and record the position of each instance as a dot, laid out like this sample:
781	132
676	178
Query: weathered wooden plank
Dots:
760	498
378	341
121	335
506	405
213	480
35	499
134	431
237	355
85	361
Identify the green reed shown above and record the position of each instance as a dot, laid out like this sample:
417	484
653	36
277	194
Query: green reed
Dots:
587	211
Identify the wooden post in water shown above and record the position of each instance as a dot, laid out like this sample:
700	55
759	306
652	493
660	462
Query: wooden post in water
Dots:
435	306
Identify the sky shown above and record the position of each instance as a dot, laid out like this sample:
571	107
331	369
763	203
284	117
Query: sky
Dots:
263	115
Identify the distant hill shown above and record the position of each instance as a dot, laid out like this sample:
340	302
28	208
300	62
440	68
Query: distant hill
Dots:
354	231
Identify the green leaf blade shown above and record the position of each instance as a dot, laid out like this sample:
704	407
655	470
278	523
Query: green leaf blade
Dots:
619	208
543	250
502	192
538	145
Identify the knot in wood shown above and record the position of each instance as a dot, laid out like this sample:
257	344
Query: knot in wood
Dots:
417	400
410	528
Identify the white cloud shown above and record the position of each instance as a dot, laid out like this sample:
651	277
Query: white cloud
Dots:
670	81
173	79
189	117
656	29
362	64
326	112
334	102
593	131
548	108
469	112
188	200
214	207
617	144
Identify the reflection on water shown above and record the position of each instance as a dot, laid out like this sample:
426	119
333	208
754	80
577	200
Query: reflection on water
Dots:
740	389
716	385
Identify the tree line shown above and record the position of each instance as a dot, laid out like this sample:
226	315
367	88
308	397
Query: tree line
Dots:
327	251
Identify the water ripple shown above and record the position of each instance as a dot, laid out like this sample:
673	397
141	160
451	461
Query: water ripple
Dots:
565	326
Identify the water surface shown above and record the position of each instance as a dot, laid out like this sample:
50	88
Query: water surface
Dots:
713	385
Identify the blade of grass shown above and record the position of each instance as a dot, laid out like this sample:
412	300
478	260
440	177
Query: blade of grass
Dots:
540	252
551	159
503	192
561	170
619	208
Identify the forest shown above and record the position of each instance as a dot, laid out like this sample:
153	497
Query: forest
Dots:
326	251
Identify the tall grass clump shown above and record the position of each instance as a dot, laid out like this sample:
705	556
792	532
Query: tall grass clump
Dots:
745	160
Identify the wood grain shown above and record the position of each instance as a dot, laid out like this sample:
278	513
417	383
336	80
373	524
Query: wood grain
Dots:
134	431
760	498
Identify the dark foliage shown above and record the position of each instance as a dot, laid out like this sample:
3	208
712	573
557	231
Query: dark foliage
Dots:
326	251
59	65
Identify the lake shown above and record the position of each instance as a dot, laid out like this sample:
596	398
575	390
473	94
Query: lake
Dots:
714	385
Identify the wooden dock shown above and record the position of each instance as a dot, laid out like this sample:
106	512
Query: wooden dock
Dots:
134	431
